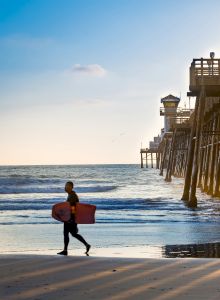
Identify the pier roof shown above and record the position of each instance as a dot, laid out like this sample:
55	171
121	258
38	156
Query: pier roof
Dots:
170	98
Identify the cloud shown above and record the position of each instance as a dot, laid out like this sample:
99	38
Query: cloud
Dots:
93	70
90	101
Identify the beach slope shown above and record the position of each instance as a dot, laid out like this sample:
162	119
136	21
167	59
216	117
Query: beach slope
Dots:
52	277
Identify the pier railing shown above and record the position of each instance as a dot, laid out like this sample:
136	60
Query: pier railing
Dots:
180	120
143	150
184	112
205	72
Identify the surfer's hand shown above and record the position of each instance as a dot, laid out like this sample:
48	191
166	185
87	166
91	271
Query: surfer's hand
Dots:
70	221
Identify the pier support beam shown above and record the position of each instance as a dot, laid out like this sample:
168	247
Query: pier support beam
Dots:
151	156
157	160
146	161
217	171
199	122
217	179
189	165
213	157
206	169
142	163
201	168
170	162
163	157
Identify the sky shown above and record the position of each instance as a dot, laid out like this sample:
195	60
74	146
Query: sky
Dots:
81	80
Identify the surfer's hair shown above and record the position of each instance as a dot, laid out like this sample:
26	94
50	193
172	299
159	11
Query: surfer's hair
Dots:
70	183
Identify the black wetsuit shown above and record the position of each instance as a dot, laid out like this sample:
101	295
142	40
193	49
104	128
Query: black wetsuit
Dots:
71	226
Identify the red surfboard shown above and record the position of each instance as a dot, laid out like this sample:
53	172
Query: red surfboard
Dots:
61	211
85	213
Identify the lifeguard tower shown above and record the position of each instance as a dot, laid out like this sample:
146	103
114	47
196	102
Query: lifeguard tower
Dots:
169	111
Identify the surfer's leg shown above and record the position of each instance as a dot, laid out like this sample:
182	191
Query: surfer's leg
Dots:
66	236
80	238
66	239
75	234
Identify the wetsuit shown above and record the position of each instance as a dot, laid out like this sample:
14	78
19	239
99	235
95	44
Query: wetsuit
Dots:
71	226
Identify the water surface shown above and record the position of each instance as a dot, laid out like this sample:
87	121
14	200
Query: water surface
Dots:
135	207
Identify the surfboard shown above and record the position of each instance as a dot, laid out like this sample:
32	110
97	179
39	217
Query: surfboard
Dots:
61	211
85	213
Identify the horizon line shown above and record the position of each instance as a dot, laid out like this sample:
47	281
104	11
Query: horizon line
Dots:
72	164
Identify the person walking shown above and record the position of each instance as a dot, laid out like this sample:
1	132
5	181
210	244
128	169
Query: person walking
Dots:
70	227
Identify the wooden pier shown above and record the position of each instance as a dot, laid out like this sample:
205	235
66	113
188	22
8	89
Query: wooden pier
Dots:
150	157
190	144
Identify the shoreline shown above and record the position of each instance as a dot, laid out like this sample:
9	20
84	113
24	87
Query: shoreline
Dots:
52	277
104	252
198	251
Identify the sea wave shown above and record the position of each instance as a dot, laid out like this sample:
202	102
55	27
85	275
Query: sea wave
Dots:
32	189
107	204
27	180
136	221
96	189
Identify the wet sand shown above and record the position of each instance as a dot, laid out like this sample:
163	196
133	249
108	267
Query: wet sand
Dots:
50	277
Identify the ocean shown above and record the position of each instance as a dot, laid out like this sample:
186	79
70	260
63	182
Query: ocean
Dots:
135	208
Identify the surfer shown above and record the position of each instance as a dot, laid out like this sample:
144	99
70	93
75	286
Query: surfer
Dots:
71	226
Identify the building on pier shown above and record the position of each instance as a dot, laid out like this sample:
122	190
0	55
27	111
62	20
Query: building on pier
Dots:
172	115
169	111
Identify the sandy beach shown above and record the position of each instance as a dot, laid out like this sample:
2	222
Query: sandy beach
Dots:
79	277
